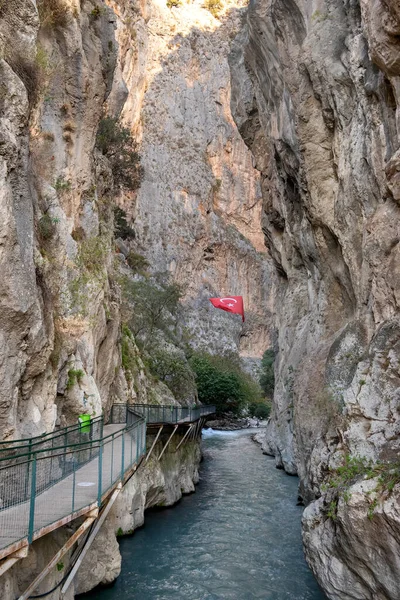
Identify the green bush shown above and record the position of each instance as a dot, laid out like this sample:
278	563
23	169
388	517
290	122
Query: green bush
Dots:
116	142
92	256
174	3
74	376
53	13
47	226
222	382
267	378
149	308
260	410
121	227
214	6
138	263
62	185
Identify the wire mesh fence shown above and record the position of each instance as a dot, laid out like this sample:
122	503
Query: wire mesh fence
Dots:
171	414
118	413
39	488
48	478
74	434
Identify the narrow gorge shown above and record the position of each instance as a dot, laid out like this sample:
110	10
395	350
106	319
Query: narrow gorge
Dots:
153	155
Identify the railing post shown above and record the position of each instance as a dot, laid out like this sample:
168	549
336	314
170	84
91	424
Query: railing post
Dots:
123	457
100	482
138	429
32	501
112	458
29	468
73	486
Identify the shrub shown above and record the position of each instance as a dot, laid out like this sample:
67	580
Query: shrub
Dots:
74	376
116	142
174	370
214	6
267	378
174	3
93	255
128	358
222	382
137	262
260	410
47	226
61	184
53	13
121	227
97	12
355	468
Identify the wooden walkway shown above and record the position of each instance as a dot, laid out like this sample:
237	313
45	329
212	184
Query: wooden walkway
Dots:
86	488
73	495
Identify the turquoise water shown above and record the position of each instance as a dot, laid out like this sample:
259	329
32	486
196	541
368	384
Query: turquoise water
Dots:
238	537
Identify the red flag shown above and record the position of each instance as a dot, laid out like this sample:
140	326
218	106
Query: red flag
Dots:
232	304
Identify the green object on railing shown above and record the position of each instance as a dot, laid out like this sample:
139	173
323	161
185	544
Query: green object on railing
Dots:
84	422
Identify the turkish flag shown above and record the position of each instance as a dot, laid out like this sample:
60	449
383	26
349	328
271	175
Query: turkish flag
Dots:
232	304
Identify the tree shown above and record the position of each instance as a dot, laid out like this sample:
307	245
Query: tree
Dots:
267	378
117	143
151	308
172	368
221	381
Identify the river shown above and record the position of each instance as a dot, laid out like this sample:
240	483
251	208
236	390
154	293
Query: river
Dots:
237	538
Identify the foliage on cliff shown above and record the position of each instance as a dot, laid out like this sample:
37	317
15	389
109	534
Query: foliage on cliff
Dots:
117	144
152	310
267	378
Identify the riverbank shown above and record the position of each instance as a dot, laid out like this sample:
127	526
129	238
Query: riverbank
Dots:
229	422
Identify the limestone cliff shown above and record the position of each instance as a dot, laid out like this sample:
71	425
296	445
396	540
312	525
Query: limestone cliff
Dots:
197	213
315	94
164	73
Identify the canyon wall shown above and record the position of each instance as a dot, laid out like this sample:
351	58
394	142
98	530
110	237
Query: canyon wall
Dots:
164	72
197	212
315	94
158	74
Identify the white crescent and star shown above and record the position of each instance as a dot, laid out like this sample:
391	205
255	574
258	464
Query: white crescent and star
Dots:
230	305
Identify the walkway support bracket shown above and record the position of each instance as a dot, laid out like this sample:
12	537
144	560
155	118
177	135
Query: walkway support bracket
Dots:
154	443
12	559
184	437
167	444
63	550
91	537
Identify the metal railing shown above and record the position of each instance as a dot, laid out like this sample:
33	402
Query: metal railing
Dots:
47	479
40	487
154	413
73	434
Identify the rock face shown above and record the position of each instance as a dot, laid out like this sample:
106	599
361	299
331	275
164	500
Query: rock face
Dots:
315	94
197	213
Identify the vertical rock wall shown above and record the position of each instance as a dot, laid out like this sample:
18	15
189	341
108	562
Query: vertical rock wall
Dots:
315	94
197	213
